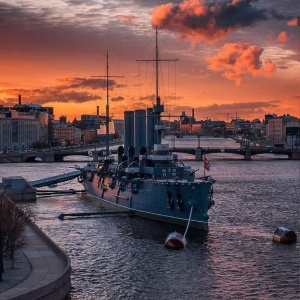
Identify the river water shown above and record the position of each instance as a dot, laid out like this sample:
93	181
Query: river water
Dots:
123	257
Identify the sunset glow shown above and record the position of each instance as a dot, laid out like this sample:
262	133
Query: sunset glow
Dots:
234	56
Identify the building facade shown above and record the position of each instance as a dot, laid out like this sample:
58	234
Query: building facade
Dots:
19	130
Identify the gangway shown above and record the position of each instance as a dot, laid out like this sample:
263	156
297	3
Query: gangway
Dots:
55	179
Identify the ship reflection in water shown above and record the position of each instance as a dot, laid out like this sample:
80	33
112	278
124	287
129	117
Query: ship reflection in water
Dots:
119	257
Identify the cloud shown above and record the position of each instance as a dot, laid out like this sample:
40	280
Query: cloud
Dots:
245	110
117	99
294	22
73	90
69	90
198	20
236	60
282	37
128	19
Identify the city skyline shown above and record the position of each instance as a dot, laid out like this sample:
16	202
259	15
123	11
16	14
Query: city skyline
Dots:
234	57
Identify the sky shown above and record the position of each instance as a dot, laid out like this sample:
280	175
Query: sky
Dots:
224	59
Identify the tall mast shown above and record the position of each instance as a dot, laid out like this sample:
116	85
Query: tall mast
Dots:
156	66
107	107
107	76
158	108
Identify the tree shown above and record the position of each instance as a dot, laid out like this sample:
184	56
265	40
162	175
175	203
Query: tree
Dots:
13	222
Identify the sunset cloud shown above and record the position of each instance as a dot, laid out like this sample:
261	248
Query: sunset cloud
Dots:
294	22
71	90
128	19
117	99
282	37
235	60
198	20
245	109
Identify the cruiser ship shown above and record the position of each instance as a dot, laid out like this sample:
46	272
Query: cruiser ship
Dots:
146	178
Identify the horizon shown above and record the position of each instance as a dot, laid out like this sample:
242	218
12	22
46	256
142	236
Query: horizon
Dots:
236	57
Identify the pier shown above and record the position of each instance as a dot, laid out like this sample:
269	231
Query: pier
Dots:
54	179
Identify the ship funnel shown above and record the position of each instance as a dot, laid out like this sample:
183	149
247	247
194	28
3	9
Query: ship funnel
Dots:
129	130
120	153
150	130
139	129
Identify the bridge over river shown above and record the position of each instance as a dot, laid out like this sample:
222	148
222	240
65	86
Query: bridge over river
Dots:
247	153
59	155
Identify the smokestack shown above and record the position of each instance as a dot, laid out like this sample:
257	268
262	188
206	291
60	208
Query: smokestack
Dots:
97	110
193	114
20	101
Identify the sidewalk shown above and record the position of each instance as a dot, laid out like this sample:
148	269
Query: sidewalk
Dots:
46	267
12	277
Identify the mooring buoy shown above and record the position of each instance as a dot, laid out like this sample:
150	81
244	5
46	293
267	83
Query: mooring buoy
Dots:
175	240
284	235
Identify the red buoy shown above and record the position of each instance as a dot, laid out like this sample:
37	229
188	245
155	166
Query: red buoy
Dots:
284	235
175	240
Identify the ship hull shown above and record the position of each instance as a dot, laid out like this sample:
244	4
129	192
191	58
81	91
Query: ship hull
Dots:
160	200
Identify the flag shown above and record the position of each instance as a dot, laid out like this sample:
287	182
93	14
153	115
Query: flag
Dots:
206	164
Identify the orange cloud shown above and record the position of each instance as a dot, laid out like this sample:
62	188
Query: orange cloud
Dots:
199	21
294	22
236	60
282	37
128	19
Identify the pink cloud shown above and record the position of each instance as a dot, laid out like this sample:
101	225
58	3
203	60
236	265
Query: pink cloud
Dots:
294	22
236	60
128	19
282	37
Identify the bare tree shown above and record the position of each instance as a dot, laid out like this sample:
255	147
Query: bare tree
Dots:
13	222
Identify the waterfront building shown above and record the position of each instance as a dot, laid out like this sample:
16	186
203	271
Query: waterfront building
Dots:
91	121
275	130
119	129
278	128
19	130
101	131
292	134
67	134
38	109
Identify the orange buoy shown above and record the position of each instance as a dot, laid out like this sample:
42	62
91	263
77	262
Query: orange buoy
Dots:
284	235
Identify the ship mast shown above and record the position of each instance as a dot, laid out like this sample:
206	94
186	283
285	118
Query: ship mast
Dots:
156	66
158	108
107	76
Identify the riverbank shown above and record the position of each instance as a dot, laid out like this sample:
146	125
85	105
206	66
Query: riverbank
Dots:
42	270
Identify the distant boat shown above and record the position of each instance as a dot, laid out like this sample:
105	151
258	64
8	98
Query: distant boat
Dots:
150	180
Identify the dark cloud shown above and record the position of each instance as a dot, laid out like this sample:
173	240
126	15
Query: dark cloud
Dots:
73	90
209	20
151	98
117	99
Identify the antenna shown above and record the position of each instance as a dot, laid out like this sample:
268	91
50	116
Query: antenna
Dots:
228	115
107	102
